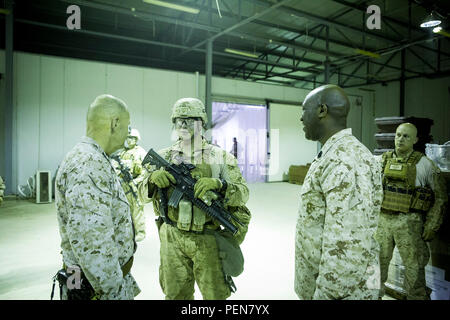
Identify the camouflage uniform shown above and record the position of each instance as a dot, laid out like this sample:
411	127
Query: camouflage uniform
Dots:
336	254
132	159
2	189
404	230
94	220
189	256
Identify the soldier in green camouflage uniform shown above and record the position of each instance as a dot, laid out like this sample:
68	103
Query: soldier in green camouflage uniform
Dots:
189	252
131	160
406	221
2	189
93	213
336	254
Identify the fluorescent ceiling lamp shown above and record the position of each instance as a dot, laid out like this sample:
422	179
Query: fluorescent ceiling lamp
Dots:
367	53
430	21
241	53
440	31
172	6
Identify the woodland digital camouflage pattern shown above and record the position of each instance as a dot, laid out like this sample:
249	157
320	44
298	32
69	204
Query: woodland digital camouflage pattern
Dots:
94	220
336	254
188	256
132	159
404	230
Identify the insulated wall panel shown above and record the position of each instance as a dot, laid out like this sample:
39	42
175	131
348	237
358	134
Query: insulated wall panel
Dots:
127	84
83	82
51	141
288	145
27	110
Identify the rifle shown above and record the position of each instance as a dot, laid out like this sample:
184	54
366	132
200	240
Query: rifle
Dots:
125	174
185	187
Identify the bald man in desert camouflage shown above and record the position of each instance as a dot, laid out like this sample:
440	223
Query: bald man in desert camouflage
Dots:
411	212
95	224
336	254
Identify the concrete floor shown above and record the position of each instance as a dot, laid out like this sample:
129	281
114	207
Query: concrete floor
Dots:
30	252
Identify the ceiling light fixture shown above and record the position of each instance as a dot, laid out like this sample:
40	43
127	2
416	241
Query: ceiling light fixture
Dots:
242	53
430	21
440	31
172	6
367	53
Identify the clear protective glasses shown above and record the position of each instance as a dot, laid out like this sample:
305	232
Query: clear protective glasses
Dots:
187	121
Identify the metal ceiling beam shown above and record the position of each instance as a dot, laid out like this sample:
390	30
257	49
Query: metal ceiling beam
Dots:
421	59
281	27
386	18
386	63
385	51
240	24
140	14
327	22
157	43
218	31
284	52
353	72
363	8
262	73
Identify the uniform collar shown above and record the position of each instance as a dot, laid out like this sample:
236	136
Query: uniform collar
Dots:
89	140
333	139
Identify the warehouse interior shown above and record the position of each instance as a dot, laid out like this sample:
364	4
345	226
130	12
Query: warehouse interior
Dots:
245	59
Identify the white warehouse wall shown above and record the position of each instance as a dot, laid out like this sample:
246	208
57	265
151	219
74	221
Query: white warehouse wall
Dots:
51	96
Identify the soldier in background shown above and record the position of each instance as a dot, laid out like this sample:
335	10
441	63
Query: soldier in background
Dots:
336	254
409	217
2	189
133	154
128	165
93	213
189	250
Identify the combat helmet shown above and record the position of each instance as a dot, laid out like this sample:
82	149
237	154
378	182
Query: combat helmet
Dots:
135	133
189	108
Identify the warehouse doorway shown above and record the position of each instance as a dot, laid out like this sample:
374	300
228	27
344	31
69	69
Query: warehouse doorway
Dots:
241	129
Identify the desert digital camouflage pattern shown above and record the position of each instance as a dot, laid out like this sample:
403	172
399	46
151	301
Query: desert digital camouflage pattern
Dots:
2	189
404	230
132	159
336	254
95	221
189	256
189	108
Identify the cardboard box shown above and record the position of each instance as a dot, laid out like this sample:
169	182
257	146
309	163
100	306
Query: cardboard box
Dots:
297	174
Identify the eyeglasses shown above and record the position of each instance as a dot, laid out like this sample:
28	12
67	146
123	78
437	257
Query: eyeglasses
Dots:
187	121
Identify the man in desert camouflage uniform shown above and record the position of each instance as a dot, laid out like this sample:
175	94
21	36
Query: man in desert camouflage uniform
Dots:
336	254
2	189
93	213
409	217
128	165
189	252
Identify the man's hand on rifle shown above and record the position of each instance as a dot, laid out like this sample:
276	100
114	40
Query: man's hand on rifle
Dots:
161	178
205	184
